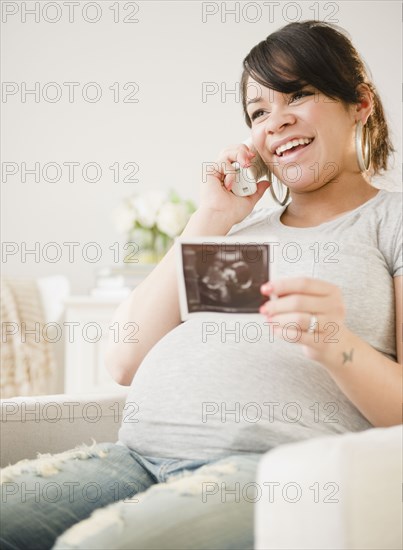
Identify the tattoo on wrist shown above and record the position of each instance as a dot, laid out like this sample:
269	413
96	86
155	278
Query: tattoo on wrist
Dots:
348	356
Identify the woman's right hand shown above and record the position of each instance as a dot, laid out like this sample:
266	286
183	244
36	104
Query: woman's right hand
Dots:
216	193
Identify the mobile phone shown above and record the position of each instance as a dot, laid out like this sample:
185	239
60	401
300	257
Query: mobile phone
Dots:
246	178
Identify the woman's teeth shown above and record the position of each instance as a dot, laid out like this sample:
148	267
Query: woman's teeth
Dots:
292	143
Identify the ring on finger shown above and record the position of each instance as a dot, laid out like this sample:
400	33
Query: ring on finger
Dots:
313	322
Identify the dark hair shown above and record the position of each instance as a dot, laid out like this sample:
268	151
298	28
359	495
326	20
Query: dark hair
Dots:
322	55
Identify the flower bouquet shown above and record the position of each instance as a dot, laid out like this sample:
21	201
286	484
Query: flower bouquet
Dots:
151	221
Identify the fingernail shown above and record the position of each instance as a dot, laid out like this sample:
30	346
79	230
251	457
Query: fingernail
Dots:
267	287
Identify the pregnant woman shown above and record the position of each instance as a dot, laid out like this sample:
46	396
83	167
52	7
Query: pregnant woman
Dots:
328	359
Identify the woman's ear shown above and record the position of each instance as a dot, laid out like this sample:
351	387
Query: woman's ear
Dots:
363	108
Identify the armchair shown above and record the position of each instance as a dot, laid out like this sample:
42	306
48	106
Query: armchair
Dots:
337	492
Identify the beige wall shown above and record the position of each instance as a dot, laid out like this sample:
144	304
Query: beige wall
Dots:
169	53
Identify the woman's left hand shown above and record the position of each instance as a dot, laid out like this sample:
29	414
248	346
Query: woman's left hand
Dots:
301	302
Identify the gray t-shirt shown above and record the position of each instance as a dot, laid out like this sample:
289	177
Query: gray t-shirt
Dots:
199	395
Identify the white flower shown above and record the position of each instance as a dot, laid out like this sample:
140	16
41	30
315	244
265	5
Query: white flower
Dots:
147	206
124	217
172	218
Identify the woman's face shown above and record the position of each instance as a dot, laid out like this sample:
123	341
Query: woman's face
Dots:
324	128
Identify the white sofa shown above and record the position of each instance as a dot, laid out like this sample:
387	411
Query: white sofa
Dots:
340	492
55	423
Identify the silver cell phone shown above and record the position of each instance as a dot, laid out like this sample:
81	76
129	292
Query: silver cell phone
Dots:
246	178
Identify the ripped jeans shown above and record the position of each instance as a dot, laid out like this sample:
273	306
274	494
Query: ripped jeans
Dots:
109	496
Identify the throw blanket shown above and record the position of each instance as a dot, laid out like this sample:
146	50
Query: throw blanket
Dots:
27	360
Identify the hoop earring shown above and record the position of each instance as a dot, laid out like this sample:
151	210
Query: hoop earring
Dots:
363	146
280	184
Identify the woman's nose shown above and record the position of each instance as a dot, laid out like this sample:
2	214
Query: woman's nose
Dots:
278	119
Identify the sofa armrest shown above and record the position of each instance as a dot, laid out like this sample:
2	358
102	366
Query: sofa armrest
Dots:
55	423
339	492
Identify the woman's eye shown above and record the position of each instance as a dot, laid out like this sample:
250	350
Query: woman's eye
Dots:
257	114
298	95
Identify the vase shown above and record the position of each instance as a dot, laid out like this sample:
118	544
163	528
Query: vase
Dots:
148	246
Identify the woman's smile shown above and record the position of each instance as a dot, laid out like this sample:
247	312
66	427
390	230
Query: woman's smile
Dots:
295	152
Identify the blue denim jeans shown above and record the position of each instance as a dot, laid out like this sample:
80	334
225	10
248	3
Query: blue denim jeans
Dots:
109	496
